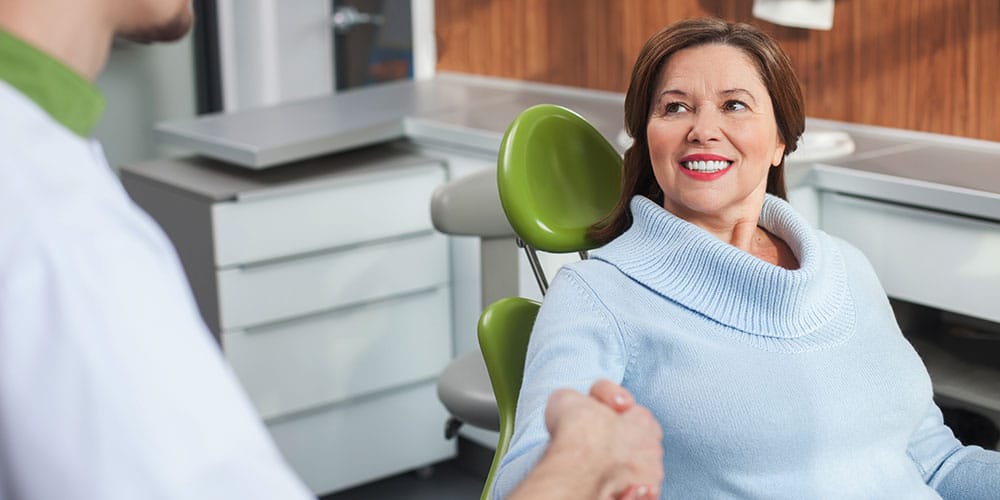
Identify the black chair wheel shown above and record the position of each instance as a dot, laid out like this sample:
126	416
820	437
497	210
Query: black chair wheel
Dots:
451	427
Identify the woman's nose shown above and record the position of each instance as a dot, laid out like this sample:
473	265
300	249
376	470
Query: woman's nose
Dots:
705	127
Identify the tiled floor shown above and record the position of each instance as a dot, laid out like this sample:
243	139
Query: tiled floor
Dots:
446	481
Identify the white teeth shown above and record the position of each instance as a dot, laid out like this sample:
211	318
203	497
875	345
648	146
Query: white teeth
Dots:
706	166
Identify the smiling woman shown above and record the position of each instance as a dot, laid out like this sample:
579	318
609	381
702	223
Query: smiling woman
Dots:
761	66
712	136
766	349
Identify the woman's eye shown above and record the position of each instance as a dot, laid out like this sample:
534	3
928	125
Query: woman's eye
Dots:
674	108
734	106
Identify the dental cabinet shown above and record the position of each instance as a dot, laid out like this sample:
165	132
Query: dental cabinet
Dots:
330	294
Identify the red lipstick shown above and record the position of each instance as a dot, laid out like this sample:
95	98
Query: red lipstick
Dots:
704	176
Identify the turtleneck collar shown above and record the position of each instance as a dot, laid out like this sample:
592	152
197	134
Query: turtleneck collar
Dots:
688	265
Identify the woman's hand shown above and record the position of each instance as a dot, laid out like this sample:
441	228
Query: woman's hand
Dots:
613	444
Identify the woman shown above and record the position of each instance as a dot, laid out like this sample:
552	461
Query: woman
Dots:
766	349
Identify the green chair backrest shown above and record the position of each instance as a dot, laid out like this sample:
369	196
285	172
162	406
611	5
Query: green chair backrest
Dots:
557	176
504	329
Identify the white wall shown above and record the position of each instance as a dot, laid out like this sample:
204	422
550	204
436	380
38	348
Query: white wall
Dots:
274	51
143	85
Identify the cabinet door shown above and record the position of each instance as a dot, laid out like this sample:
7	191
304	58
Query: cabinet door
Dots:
255	295
326	359
256	229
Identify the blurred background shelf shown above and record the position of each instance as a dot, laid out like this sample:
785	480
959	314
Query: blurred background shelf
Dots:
956	378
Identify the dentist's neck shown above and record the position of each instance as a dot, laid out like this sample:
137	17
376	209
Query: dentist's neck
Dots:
79	37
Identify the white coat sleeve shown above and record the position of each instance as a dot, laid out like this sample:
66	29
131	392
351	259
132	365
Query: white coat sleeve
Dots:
575	341
954	471
110	384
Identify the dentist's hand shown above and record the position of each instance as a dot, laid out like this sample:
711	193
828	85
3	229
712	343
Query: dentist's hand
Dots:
603	446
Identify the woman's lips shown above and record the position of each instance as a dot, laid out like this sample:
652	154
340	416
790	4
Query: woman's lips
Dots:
705	167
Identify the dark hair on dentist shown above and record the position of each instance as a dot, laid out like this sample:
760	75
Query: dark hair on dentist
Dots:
774	68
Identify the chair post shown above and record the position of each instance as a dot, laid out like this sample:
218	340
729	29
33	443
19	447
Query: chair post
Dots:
536	266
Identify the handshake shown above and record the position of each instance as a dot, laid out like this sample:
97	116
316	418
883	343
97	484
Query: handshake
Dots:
602	446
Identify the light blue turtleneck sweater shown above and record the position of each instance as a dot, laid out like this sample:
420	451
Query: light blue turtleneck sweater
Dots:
769	383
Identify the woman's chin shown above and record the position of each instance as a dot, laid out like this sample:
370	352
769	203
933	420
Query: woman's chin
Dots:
711	205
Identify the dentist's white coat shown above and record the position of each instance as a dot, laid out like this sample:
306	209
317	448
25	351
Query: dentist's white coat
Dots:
110	384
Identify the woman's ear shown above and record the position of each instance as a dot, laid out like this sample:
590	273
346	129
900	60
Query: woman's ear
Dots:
779	152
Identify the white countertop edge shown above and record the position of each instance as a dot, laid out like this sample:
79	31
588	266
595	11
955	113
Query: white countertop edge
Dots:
930	195
904	135
360	137
254	159
241	154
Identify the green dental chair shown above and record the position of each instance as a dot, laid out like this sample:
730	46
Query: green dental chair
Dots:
557	176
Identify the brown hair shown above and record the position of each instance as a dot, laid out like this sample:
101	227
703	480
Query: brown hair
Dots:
775	70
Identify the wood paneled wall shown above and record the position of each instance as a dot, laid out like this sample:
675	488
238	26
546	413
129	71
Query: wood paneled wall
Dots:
931	65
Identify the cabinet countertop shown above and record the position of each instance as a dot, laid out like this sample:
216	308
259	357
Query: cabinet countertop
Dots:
216	181
471	113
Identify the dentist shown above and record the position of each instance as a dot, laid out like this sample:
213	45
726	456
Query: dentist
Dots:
110	386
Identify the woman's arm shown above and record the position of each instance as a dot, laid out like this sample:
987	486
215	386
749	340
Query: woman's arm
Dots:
955	471
575	341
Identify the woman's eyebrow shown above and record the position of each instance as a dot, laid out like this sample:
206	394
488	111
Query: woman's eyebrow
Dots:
674	92
725	93
730	92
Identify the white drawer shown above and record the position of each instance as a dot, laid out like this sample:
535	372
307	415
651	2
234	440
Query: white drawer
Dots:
254	295
345	446
324	359
350	211
945	261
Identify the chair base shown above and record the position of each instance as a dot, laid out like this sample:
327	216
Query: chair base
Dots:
465	391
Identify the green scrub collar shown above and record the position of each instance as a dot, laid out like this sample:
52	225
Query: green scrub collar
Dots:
65	95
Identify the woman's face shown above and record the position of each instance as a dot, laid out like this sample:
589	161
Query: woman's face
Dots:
712	134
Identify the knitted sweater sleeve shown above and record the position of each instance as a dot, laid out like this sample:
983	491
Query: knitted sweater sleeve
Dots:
574	342
955	471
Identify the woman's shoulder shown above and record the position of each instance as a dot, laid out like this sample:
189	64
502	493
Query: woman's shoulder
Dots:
852	255
591	284
593	275
857	267
598	287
